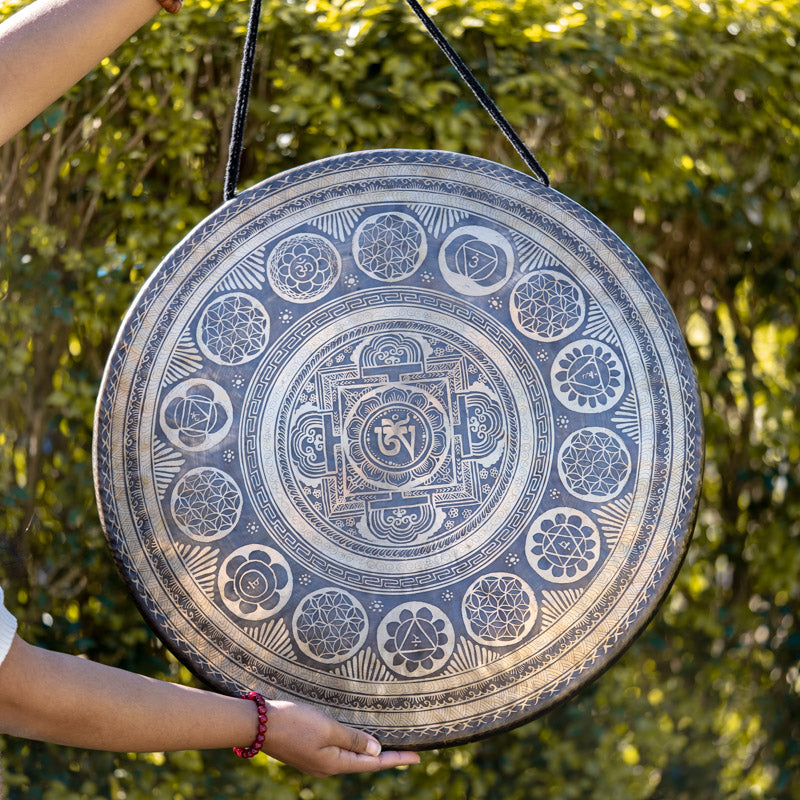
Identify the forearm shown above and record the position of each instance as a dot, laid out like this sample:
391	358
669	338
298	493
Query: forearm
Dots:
58	698
50	45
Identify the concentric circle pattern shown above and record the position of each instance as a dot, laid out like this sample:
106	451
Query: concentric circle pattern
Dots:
404	435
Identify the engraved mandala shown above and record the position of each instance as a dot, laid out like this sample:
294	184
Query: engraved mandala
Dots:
563	545
389	247
233	329
547	306
594	464
330	625
206	504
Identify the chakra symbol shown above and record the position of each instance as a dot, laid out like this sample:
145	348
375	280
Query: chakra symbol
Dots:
206	504
476	260
587	376
233	329
594	464
255	582
196	414
563	545
547	306
415	639
396	436
330	625
303	267
499	609
389	247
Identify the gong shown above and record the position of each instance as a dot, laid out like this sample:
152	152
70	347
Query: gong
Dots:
402	434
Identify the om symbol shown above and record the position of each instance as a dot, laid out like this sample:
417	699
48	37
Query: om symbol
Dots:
393	435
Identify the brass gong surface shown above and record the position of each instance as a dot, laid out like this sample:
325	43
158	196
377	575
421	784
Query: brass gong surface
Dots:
403	434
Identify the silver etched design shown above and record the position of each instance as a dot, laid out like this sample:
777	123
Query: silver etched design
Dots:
330	625
389	247
499	609
206	504
431	542
196	415
303	267
547	306
396	437
233	329
563	545
255	582
415	639
393	448
476	260
594	464
587	376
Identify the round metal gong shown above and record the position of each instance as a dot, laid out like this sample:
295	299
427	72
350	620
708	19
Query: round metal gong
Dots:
403	434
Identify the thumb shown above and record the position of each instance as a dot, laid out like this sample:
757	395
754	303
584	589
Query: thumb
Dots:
357	741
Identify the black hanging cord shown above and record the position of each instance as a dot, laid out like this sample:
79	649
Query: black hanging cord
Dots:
246	79
483	98
242	101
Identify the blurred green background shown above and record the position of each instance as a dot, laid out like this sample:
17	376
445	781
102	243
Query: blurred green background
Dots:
678	124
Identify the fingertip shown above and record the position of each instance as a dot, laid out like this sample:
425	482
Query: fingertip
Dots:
373	748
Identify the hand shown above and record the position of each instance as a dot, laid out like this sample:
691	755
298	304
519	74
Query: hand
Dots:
311	741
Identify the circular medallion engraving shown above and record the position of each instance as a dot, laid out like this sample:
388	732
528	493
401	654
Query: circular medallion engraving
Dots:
563	545
396	437
233	329
547	306
416	639
499	609
196	415
330	625
476	260
255	582
587	376
303	267
206	504
594	464
389	247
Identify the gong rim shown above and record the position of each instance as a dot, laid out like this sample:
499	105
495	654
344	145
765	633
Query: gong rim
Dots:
423	308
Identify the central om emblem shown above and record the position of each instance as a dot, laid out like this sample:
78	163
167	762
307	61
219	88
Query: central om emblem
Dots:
393	435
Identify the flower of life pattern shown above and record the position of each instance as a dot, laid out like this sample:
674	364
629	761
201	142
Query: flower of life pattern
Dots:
499	609
416	639
330	625
206	504
547	306
303	267
233	329
594	464
563	545
587	376
389	247
255	582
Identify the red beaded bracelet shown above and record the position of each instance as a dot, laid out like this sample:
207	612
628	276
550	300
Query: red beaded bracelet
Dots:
171	6
261	704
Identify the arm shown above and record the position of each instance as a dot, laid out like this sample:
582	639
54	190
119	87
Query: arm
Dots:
67	700
50	45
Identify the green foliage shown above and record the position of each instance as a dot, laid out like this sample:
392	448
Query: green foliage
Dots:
678	124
